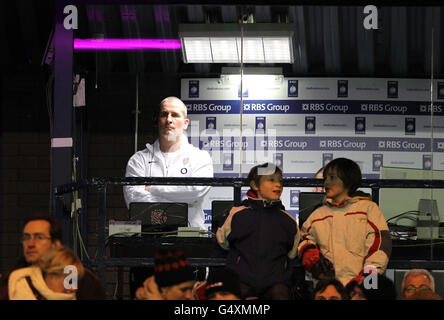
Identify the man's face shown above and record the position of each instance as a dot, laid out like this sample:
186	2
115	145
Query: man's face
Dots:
37	240
414	283
172	121
182	291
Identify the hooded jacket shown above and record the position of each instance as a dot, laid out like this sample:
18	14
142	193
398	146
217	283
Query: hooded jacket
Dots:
351	235
28	284
188	161
261	238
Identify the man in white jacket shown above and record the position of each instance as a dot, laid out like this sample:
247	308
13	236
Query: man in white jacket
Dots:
171	156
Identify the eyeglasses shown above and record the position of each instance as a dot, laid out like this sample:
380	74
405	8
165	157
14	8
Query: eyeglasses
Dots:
411	288
36	236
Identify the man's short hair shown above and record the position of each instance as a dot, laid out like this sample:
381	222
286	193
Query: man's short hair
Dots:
419	272
171	99
55	230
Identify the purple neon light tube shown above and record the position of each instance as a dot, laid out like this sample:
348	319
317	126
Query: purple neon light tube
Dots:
126	44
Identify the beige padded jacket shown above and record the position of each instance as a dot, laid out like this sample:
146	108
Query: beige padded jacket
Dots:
351	236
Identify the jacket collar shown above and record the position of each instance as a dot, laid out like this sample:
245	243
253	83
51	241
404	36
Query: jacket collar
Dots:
155	147
338	205
252	199
359	195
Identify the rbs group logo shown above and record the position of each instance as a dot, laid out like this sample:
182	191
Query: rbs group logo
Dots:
410	126
294	198
377	161
260	125
310	125
211	123
392	89
359	125
440	90
342	88
292	88
193	89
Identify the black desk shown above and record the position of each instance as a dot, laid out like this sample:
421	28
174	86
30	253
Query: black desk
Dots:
139	251
146	246
203	247
417	249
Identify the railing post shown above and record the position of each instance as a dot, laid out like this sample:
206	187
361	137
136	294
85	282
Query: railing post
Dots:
375	194
237	193
101	223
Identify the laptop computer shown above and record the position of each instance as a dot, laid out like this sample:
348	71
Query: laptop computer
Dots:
159	216
308	202
218	209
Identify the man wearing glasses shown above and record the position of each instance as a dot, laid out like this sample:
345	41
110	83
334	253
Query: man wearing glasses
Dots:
417	280
42	232
37	240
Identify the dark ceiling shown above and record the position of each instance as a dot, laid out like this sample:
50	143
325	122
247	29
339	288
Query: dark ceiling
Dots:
329	40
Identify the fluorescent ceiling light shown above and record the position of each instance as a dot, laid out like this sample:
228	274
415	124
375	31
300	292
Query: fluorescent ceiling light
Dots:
126	44
222	43
257	77
276	50
252	70
224	49
199	49
253	50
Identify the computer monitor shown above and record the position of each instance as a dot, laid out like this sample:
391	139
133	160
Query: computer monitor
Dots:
395	201
159	216
218	210
308	202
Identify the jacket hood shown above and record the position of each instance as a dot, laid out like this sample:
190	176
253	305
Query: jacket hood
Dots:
19	289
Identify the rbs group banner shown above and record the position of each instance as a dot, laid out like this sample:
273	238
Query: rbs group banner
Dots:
302	123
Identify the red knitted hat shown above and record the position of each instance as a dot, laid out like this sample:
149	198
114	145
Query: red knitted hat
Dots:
171	268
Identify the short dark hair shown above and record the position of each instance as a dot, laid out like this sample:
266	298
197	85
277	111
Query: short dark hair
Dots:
323	284
55	231
223	281
385	289
269	169
348	171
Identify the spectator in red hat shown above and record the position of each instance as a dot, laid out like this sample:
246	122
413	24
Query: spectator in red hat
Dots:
173	278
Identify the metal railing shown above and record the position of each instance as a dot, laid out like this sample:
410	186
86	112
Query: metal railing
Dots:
101	183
